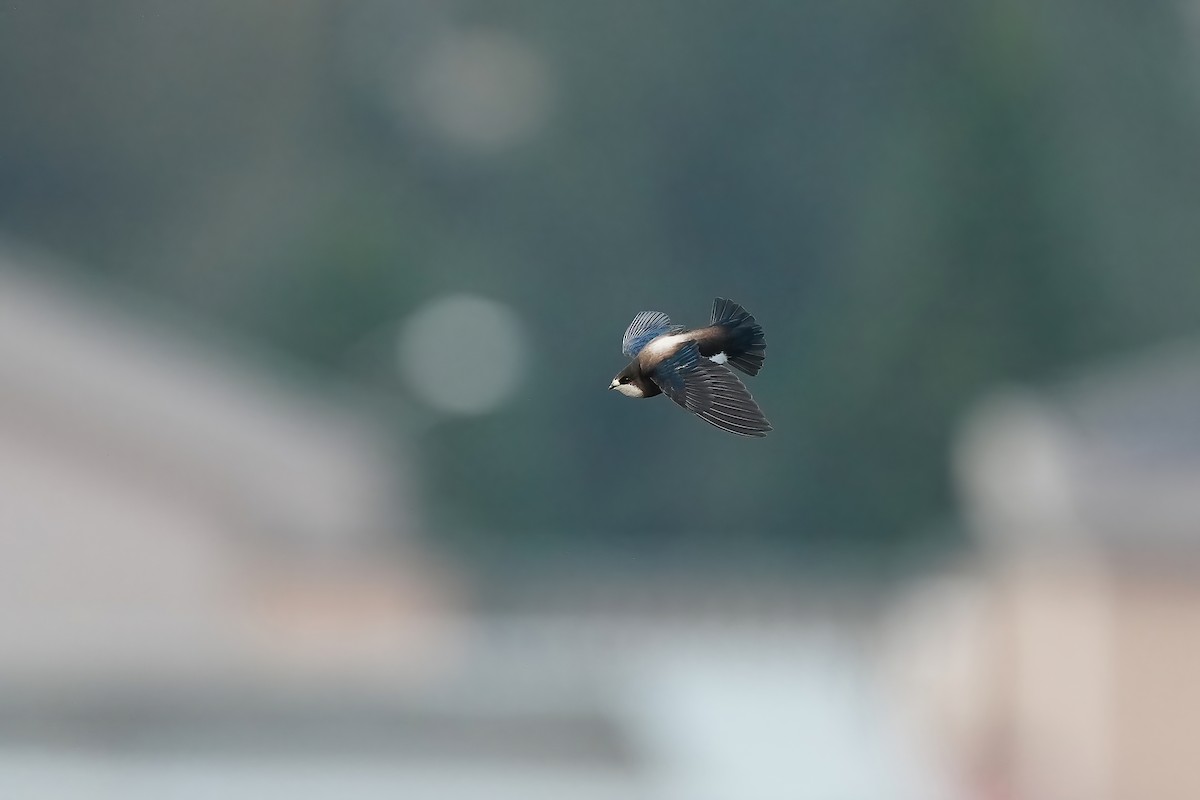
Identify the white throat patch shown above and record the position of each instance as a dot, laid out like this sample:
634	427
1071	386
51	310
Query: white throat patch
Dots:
629	390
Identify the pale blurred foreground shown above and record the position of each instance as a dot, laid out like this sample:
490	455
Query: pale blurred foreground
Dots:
212	584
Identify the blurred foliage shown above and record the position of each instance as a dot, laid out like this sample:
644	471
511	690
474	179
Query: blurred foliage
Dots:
919	201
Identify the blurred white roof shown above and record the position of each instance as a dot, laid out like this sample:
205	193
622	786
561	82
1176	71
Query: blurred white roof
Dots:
291	458
158	491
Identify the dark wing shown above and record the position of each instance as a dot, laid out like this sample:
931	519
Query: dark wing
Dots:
710	391
645	328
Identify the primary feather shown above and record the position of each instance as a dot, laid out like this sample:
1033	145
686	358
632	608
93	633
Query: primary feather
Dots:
710	391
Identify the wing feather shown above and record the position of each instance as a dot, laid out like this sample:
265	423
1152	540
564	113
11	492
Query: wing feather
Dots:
645	328
710	391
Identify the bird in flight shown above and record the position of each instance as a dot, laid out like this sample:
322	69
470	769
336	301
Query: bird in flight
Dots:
692	367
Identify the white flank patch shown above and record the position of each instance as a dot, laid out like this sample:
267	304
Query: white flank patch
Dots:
665	345
719	358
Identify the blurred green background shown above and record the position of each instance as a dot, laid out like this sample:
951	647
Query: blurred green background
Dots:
919	202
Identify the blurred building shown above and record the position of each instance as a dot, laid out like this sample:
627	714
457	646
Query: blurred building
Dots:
1060	665
174	510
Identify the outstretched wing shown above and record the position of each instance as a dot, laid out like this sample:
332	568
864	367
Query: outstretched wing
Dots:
711	392
646	327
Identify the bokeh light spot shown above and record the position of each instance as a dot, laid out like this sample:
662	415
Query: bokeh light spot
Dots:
463	354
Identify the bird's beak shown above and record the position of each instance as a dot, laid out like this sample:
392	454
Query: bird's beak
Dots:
612	385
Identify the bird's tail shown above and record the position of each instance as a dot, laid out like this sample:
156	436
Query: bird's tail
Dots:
745	343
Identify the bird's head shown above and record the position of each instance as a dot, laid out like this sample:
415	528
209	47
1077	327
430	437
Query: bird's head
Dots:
625	384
